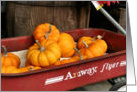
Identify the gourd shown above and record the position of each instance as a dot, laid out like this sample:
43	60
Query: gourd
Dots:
66	43
43	56
46	31
9	59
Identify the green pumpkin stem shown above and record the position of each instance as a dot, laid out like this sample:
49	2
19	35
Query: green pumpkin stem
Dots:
85	44
77	51
41	48
47	33
5	50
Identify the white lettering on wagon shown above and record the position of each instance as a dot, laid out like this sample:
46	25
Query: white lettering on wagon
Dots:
54	80
89	71
109	66
123	63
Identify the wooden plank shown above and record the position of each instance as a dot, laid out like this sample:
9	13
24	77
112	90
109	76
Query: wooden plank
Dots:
10	19
65	18
66	15
28	17
122	19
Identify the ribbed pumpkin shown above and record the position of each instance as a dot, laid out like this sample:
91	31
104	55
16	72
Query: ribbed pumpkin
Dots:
86	39
9	59
66	43
43	55
95	49
98	47
9	69
46	31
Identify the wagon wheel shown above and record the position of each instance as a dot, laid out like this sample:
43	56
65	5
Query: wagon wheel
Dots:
118	83
119	86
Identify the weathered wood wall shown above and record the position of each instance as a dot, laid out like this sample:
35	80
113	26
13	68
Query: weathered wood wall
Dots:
23	17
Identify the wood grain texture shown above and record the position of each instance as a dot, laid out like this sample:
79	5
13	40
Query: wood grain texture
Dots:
10	19
122	19
23	17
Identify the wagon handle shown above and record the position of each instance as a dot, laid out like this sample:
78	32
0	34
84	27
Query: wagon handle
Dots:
108	16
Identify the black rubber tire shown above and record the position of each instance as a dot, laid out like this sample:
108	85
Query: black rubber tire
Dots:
118	85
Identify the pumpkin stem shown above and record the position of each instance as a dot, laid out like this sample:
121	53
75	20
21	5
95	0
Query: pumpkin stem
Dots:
41	48
5	50
47	33
75	54
85	44
46	36
98	37
77	51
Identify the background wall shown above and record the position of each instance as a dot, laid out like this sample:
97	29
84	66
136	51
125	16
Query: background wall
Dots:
21	18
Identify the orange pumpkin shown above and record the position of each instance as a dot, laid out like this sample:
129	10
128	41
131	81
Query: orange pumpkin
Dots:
86	39
46	31
9	59
66	43
43	55
46	42
95	49
9	69
98	47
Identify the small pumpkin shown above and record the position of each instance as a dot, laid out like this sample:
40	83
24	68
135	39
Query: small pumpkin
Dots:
66	43
98	47
86	39
85	52
9	69
43	55
9	59
46	31
46	42
95	49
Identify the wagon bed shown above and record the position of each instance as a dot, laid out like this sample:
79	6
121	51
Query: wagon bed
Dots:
71	75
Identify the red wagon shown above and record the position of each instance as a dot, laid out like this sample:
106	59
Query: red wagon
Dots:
72	75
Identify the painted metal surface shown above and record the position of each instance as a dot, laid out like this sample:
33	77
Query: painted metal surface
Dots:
72	75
